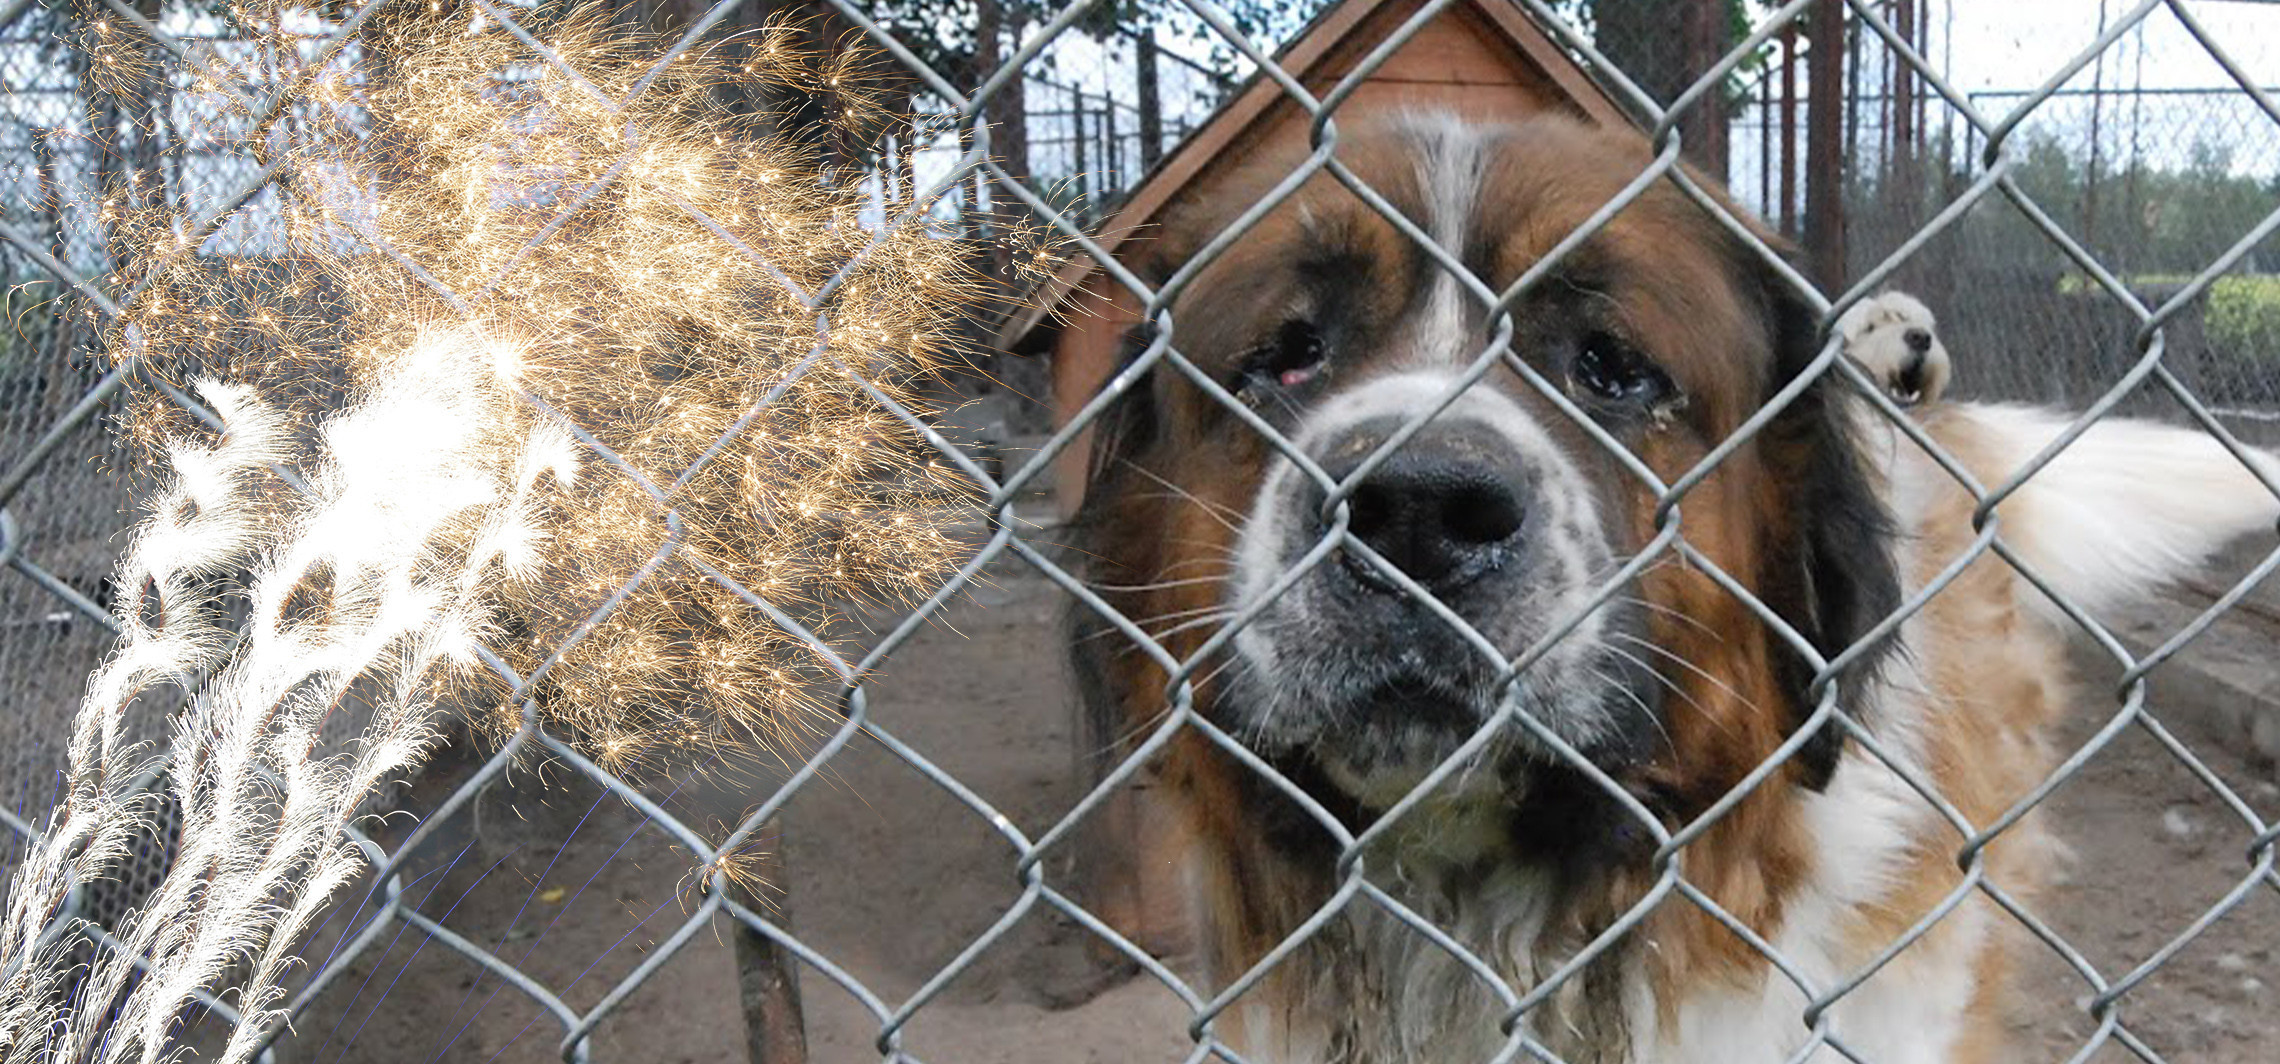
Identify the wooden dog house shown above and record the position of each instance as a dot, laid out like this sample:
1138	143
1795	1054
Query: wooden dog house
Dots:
1477	57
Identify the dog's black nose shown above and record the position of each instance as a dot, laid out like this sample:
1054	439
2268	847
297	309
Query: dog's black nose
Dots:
1918	340
1446	508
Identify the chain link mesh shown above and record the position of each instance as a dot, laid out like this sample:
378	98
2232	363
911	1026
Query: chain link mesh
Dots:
2135	313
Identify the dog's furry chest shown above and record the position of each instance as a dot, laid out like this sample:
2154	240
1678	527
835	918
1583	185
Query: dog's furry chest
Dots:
1625	1007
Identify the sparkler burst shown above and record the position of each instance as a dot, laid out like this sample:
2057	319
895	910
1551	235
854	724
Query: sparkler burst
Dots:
646	262
555	366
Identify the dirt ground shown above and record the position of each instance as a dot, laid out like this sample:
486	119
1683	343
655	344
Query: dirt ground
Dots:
892	877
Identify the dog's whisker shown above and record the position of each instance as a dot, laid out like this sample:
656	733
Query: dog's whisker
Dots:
1660	678
1205	680
1682	662
1646	711
1143	725
1219	511
1678	615
1226	558
1673	686
1173	615
1202	615
1160	585
1214	617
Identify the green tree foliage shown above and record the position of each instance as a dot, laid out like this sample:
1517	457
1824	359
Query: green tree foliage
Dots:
1643	38
2147	221
2243	318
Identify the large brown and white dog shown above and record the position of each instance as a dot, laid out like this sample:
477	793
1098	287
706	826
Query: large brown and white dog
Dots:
1664	332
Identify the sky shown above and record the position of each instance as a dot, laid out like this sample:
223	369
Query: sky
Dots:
2014	44
2018	44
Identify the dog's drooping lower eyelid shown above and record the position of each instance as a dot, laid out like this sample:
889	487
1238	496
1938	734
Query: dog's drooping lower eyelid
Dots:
1290	357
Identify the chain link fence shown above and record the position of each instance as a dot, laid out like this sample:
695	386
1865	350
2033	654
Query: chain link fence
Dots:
2155	180
1089	144
2078	193
2147	153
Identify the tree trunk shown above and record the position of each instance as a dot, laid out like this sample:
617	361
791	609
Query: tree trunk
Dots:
767	976
1008	111
1789	131
381	39
59	386
1016	384
1824	146
1639	37
1705	124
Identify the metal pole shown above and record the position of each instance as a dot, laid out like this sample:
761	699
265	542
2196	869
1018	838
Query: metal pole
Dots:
1113	176
1904	94
1151	99
2089	204
767	978
1705	126
1766	153
1077	145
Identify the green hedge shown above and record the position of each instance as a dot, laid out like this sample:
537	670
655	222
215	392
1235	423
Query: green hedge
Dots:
2243	319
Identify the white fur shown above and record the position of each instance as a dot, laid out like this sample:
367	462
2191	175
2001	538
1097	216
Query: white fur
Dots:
1571	529
1451	156
1432	1012
2126	507
2131	505
1911	1011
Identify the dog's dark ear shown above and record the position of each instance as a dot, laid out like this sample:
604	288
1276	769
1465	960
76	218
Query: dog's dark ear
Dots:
1126	429
1120	438
1845	580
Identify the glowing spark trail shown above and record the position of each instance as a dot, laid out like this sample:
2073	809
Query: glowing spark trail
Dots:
547	361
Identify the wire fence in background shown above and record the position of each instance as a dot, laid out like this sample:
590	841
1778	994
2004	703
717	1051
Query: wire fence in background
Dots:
2147	154
2118	317
1087	148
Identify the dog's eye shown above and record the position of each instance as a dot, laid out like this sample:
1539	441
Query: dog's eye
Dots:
1291	358
1614	371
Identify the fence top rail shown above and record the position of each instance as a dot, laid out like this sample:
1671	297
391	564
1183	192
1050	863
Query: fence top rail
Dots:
2118	90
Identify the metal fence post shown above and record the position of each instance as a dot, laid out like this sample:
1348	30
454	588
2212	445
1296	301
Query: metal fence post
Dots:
767	979
1149	91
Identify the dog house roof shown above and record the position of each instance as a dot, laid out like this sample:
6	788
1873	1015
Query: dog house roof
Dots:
1484	48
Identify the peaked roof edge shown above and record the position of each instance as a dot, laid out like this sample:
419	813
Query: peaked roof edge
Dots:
1305	53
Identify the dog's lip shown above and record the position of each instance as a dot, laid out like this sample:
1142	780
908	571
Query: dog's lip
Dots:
1420	697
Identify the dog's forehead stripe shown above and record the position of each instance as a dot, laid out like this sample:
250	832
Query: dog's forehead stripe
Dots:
1452	163
1452	160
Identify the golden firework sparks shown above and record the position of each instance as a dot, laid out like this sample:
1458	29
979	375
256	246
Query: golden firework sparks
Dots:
647	262
578	371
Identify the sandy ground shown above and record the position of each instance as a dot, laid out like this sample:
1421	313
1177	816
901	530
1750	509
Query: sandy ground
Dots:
892	877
